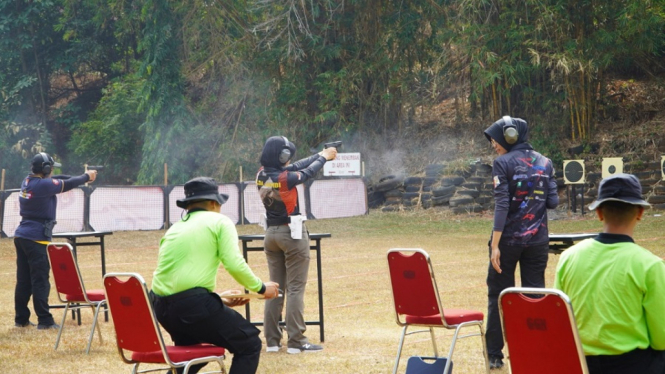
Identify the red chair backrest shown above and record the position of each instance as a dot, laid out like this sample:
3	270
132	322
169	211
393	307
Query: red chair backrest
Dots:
412	283
65	270
133	318
541	334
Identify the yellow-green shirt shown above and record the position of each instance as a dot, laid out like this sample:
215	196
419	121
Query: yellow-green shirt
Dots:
618	295
192	250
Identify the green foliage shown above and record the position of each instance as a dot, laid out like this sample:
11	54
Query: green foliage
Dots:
543	136
342	68
111	136
199	85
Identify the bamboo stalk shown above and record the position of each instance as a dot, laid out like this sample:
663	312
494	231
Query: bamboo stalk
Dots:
507	95
583	105
494	101
570	102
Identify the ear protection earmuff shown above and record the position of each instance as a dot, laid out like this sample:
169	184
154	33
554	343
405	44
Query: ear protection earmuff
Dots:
285	154
510	130
46	164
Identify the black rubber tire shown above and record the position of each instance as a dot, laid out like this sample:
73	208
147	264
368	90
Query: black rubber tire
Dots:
410	195
412	188
656	199
394	193
389	184
386	177
428	181
460	200
471	186
472	193
440	191
413	181
452	181
440	201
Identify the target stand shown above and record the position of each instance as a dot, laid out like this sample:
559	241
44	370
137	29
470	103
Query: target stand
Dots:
612	166
573	175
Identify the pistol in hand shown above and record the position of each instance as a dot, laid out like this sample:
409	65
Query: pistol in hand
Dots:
336	144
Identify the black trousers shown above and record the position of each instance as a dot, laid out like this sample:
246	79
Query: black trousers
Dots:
32	280
644	361
533	262
203	318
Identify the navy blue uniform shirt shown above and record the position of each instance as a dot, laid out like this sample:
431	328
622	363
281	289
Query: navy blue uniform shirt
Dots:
37	203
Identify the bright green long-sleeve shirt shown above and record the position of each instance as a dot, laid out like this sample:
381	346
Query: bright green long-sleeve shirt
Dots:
192	250
618	296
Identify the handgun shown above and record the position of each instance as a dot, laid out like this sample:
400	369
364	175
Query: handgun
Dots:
336	144
95	167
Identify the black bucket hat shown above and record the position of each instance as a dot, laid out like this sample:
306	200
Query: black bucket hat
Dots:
201	188
625	188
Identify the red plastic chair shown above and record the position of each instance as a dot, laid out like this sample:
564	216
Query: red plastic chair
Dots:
540	333
138	332
416	299
70	288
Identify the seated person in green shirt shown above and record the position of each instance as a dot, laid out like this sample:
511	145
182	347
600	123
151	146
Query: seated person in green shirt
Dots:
184	282
617	288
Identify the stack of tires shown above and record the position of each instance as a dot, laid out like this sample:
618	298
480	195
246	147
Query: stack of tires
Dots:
464	200
463	192
650	179
390	188
412	190
657	199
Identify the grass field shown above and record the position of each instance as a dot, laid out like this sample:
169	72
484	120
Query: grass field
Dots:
361	335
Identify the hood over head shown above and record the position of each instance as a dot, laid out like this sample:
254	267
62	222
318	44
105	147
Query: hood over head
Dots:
496	132
277	151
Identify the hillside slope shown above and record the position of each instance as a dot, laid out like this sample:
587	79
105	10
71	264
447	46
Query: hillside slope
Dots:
632	128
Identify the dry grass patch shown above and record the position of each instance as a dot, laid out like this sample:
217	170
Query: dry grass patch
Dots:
360	330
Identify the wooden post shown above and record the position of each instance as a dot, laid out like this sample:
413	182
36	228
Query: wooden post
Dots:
570	213
242	203
2	200
167	211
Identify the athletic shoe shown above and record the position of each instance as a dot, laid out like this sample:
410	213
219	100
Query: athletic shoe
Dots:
27	324
54	326
305	348
496	362
272	349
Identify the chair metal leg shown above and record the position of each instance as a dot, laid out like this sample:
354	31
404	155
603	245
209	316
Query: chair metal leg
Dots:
62	326
452	349
399	349
96	310
487	359
431	332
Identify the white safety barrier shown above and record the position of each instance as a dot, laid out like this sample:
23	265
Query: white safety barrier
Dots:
131	208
